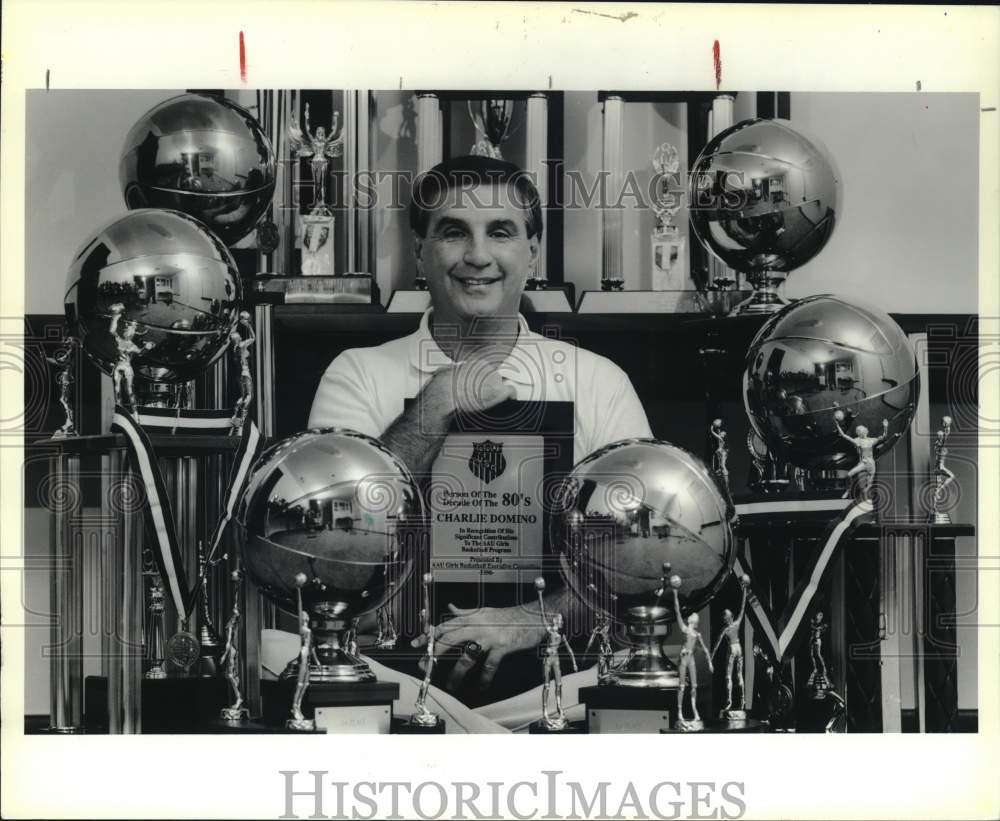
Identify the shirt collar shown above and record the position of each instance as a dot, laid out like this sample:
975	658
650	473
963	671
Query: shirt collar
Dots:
426	355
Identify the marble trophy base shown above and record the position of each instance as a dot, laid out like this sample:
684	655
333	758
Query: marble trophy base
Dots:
407	726
337	707
689	725
722	726
336	666
616	709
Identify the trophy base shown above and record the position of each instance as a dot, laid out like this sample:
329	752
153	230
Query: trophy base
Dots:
764	300
689	725
155	674
733	715
64	434
341	667
407	726
612	709
306	725
336	707
644	669
234	713
557	727
658	302
170	705
940	519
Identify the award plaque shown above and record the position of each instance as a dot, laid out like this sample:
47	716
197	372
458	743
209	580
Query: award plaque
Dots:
487	492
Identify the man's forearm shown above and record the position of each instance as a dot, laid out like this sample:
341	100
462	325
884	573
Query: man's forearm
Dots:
416	436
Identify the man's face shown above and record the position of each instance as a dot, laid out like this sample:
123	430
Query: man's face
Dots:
476	255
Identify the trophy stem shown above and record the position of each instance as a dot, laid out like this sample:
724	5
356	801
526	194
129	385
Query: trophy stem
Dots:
765	298
647	666
331	663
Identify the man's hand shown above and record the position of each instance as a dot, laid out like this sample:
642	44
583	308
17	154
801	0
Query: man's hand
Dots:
498	630
472	385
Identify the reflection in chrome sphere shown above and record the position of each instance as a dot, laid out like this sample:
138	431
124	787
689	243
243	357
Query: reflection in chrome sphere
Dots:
335	505
176	281
341	508
202	155
763	197
628	508
820	355
630	516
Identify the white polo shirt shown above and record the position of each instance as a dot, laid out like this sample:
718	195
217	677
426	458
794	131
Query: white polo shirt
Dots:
364	389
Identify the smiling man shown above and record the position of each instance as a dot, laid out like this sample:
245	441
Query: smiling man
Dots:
477	224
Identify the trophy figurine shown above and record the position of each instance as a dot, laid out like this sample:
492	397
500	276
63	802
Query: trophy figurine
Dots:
865	446
321	147
605	652
154	628
63	359
943	476
667	242
298	721
123	375
208	638
421	715
491	119
686	669
734	660
351	637
818	683
551	674
720	457
231	658
241	344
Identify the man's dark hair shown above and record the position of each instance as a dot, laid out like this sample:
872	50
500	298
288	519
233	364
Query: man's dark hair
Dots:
465	173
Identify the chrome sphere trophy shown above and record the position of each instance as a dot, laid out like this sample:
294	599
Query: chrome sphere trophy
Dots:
230	660
63	360
307	657
202	155
491	119
734	659
551	672
153	298
623	513
423	717
943	476
686	667
339	508
763	199
822	366
669	253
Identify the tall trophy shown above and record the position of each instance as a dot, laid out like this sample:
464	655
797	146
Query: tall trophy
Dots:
822	709
553	642
339	509
307	657
686	666
423	719
319	146
730	635
942	476
668	245
629	517
491	119
230	660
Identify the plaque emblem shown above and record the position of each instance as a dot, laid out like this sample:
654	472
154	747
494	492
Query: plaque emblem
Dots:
487	461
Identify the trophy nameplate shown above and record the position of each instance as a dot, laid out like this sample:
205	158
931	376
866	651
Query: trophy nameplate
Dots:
486	496
629	709
371	720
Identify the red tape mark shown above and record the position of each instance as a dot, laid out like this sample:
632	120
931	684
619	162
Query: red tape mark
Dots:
716	55
243	59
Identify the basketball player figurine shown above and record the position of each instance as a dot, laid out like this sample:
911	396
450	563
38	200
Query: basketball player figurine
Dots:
734	660
230	660
63	359
686	668
123	375
720	457
605	652
818	683
551	673
351	638
421	715
865	446
241	344
298	721
155	652
942	475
